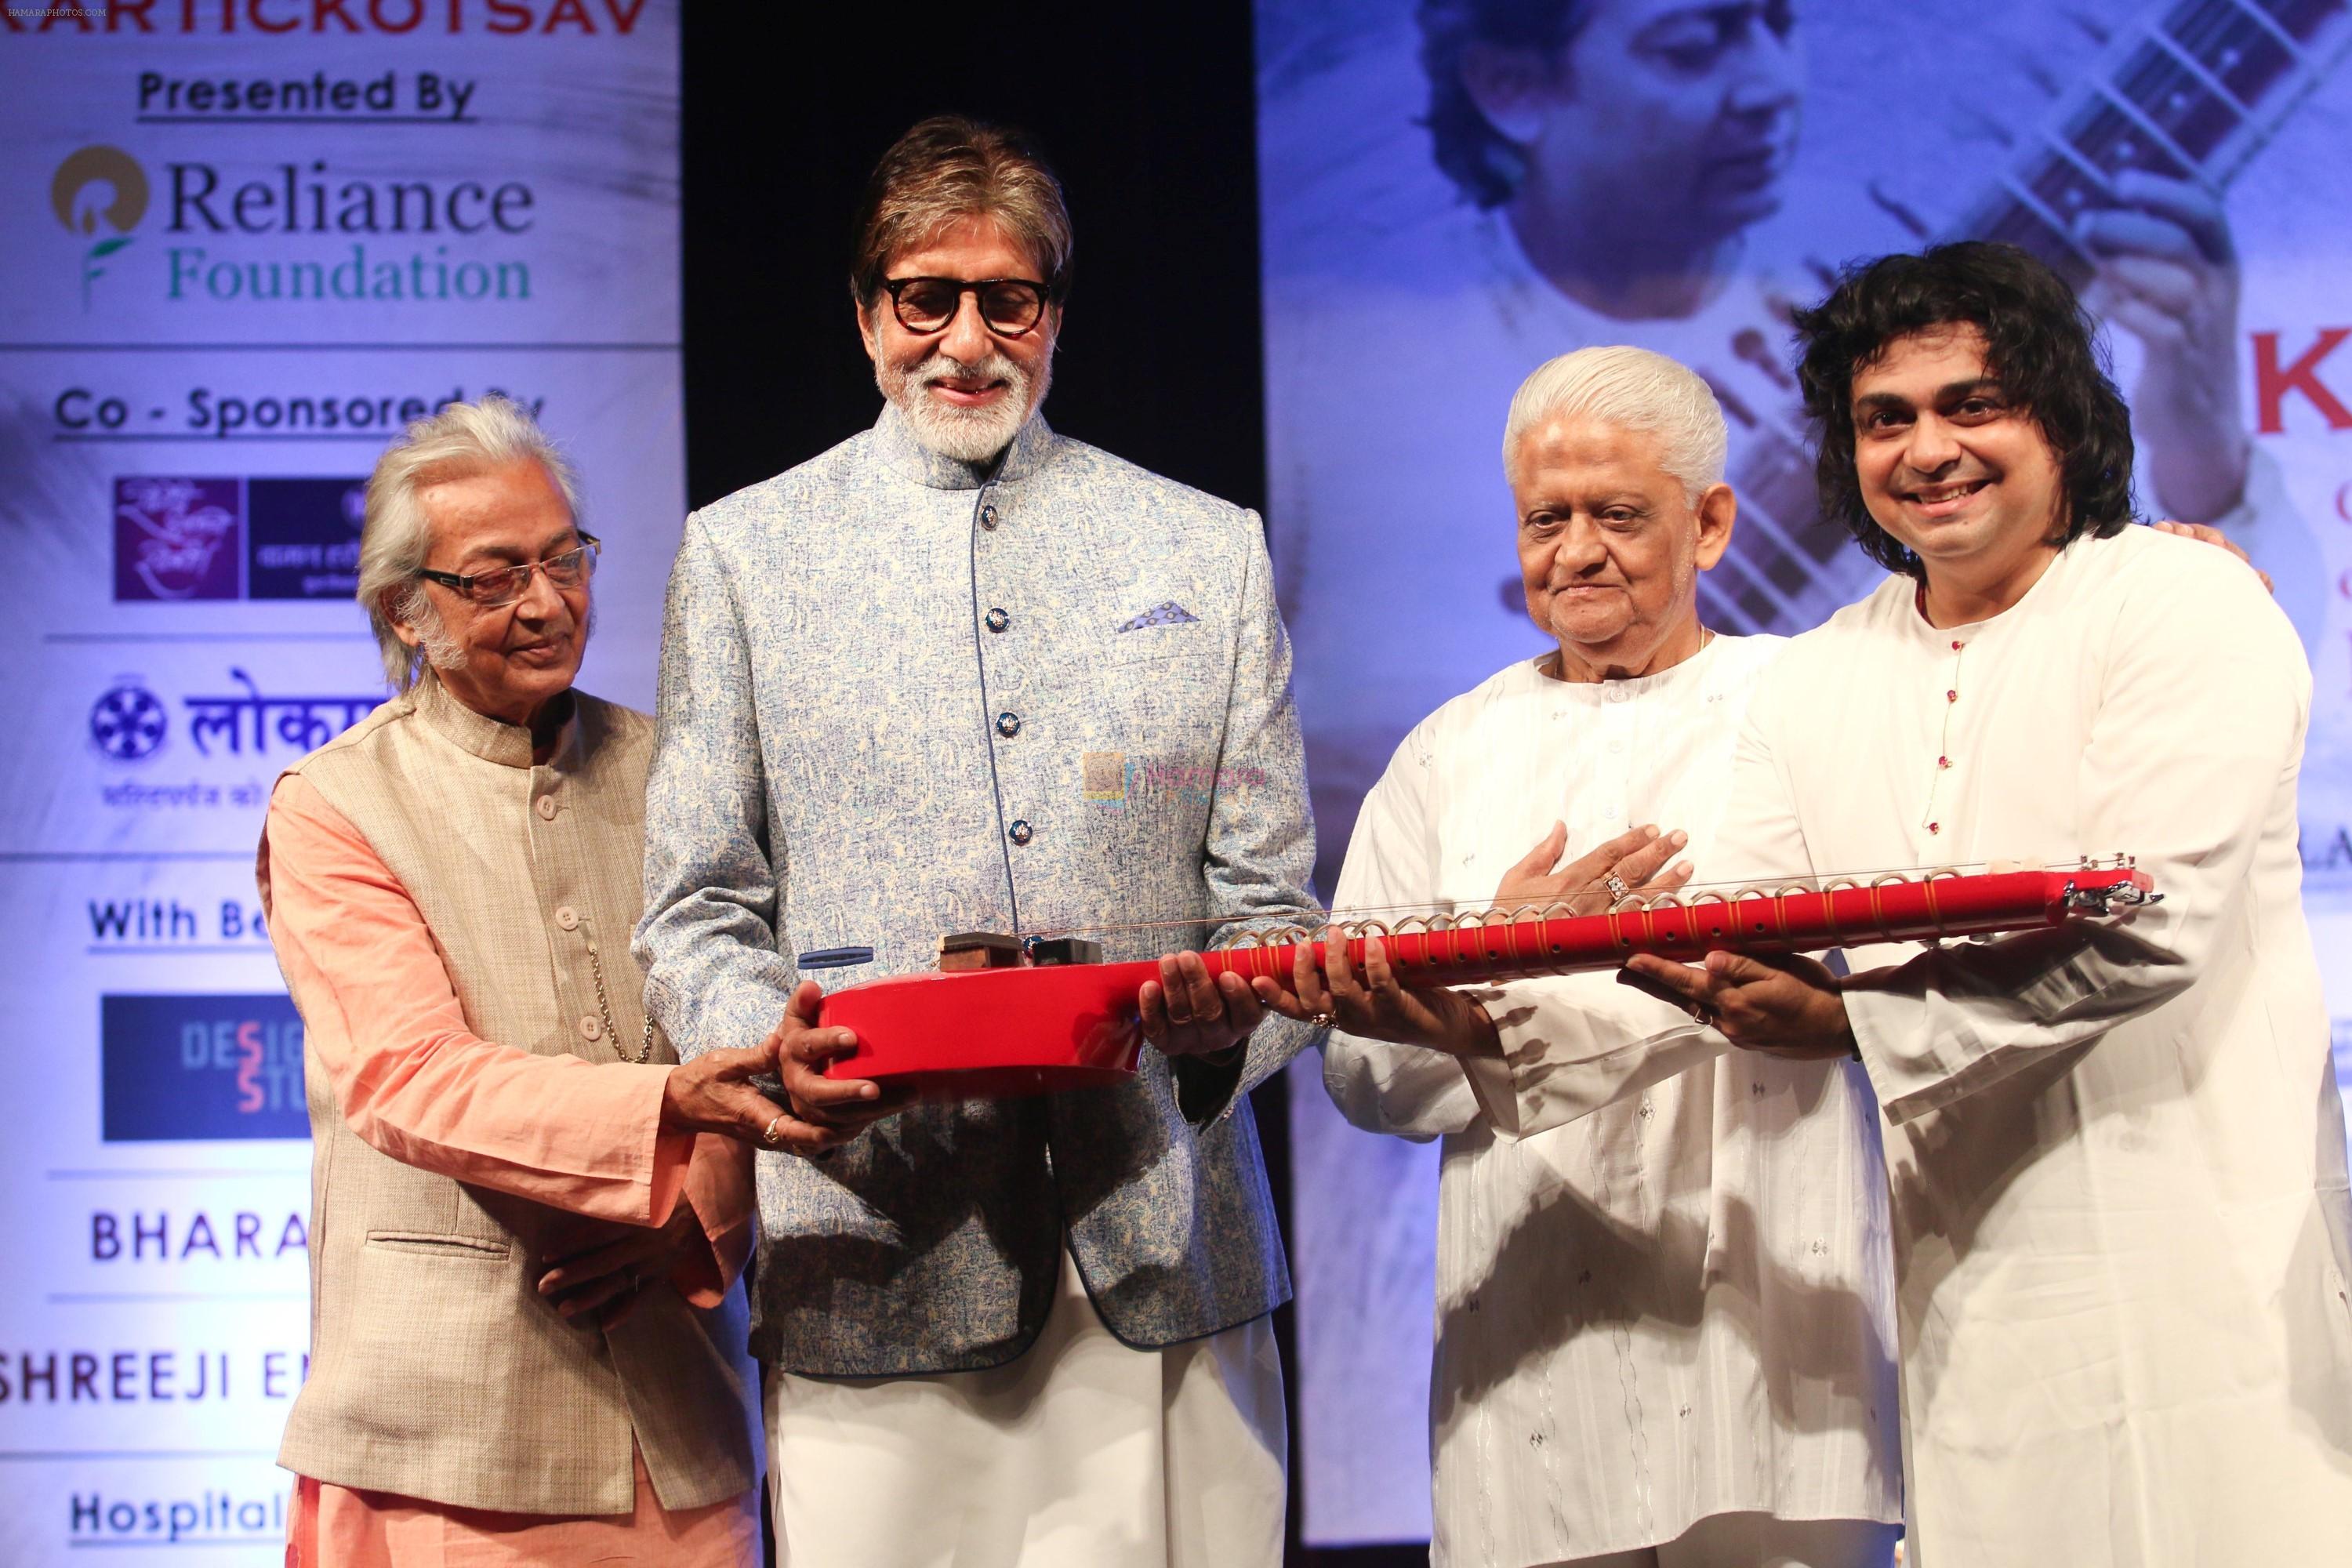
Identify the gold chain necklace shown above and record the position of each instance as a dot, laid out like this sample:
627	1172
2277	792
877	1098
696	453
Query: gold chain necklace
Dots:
605	1006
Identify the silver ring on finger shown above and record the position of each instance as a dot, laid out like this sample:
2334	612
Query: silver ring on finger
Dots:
1703	1014
1321	1020
1616	886
770	1136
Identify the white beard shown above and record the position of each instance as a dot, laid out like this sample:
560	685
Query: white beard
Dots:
967	434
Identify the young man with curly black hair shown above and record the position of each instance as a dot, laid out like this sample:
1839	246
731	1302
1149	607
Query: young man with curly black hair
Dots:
2116	1151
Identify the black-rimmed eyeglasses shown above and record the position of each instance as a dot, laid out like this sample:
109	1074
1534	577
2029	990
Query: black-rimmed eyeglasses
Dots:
1011	306
505	585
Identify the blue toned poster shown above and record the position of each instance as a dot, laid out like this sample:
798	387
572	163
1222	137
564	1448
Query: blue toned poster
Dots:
247	240
1454	191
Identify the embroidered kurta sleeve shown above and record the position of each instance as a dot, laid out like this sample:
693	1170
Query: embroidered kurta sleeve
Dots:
2195	743
1259	857
383	1021
708	941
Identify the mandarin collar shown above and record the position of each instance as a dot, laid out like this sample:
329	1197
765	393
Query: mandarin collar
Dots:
493	740
1691	671
1926	634
908	457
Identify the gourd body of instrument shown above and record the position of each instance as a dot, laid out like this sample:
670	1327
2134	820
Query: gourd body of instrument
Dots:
1027	1029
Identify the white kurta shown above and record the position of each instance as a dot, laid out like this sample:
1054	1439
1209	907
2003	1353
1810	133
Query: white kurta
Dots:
2117	1156
1669	1299
1081	1453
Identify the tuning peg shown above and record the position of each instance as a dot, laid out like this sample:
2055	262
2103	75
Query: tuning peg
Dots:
1731	401
1886	201
1975	122
1751	347
2092	28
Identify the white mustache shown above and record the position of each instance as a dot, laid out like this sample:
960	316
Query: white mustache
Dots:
997	366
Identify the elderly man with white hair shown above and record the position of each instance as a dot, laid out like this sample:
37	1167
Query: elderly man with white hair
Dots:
526	1220
1662	1320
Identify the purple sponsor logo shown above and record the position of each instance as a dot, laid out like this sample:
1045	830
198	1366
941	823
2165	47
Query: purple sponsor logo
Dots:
175	539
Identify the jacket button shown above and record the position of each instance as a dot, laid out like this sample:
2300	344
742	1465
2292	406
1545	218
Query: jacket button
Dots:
1008	724
546	808
592	1027
1020	832
998	620
568	917
988	517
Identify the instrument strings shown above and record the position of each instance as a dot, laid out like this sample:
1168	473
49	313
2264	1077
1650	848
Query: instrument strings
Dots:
1357	920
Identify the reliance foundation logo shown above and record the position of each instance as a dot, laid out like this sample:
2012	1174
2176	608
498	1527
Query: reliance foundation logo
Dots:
302	231
98	187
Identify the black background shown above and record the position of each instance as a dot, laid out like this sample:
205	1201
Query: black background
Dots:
1148	115
1154	138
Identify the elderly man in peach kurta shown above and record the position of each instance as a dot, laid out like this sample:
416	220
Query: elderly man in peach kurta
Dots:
527	1221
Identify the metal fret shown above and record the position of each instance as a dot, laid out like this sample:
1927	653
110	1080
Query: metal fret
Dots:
2220	40
2196	68
2061	226
2131	111
2172	100
2270	24
2080	160
2067	183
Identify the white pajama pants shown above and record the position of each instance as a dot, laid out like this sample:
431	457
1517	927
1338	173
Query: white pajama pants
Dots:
1082	1454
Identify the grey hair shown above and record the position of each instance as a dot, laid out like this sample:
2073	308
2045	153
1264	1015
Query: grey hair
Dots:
949	168
1633	389
457	439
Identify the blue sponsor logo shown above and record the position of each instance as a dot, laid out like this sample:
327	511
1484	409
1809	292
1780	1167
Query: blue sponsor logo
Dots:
201	1067
305	537
129	724
128	721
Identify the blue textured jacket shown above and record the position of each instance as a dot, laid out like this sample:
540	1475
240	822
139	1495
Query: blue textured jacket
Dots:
899	696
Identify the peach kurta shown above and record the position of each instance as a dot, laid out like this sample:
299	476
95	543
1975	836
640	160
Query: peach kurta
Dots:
384	1019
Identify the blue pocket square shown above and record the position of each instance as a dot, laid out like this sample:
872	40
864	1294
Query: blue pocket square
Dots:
1170	613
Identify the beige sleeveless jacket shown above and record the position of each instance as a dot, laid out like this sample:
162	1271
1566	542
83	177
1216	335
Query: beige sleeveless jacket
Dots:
437	1371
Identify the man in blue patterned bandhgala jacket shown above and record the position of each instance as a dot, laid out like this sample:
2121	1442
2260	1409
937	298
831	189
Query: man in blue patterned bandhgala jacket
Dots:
961	673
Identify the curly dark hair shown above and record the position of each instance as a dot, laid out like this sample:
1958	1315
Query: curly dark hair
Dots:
2039	341
1486	166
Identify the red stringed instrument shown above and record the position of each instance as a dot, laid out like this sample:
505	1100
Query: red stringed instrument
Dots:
1006	1016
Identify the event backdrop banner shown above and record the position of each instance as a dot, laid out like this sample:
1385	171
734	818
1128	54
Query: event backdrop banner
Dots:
1458	190
247	241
